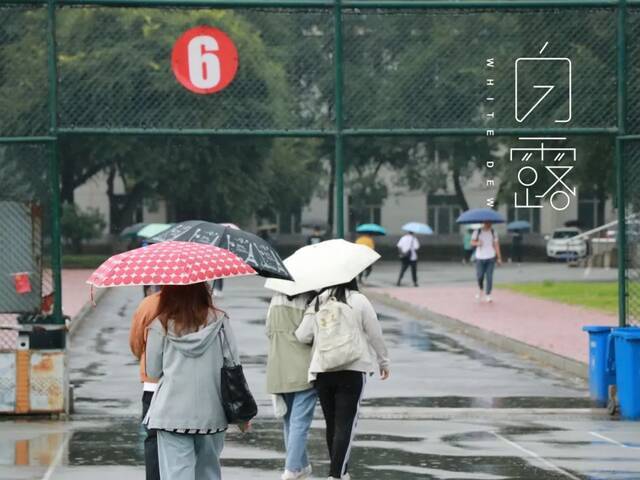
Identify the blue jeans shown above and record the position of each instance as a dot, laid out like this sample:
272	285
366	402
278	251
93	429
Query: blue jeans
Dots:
300	407
484	268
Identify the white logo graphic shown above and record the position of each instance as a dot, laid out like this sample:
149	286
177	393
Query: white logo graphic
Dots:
528	67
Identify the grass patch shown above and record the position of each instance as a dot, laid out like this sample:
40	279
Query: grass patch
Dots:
83	261
597	295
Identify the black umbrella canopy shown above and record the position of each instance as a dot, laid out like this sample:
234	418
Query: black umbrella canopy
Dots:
249	247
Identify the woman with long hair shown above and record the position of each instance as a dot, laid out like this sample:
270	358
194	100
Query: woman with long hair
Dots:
287	371
185	349
347	346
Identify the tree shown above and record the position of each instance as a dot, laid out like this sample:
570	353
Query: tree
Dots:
79	226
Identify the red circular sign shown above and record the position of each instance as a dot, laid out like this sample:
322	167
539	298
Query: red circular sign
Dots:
204	60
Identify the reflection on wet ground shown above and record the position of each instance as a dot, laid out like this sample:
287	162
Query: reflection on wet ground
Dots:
473	450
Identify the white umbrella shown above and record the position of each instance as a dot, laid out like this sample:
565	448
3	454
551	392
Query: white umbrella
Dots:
324	264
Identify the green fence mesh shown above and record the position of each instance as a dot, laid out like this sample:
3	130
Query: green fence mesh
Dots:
25	260
23	71
633	70
403	69
427	69
632	258
119	75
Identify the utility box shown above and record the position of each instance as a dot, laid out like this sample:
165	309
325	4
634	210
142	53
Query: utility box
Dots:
33	358
33	381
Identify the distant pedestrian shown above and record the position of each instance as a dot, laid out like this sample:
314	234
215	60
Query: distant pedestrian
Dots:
186	347
466	246
487	245
287	371
368	241
408	247
339	369
146	313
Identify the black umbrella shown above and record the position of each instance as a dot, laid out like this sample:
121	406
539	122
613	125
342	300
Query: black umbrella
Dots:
252	249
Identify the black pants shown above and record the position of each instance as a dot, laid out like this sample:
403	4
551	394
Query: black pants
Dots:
340	394
151	465
406	263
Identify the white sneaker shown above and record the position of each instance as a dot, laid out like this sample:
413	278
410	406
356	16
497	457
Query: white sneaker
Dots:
479	295
488	299
297	475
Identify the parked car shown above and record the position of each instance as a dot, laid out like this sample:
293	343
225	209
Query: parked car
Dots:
560	245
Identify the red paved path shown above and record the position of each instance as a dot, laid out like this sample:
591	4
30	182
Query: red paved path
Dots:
75	291
542	323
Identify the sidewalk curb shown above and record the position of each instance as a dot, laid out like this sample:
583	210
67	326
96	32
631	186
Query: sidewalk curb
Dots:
544	357
87	308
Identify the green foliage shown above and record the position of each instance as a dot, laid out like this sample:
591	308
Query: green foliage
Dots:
597	295
79	226
83	261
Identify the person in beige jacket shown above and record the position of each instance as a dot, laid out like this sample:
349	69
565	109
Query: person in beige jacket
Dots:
340	390
287	370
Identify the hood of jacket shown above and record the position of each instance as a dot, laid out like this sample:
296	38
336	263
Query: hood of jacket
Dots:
196	343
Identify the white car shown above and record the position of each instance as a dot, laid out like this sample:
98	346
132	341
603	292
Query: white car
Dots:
560	245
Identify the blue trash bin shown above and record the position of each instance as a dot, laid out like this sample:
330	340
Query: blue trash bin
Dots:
600	377
627	347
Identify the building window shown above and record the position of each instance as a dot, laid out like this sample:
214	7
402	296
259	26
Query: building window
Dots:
442	211
531	215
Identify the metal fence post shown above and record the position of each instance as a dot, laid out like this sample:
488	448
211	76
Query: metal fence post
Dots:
54	167
339	146
622	117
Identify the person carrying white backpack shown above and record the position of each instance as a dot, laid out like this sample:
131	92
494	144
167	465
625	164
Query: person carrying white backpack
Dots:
347	346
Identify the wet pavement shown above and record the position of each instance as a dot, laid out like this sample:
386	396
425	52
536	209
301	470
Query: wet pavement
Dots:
452	409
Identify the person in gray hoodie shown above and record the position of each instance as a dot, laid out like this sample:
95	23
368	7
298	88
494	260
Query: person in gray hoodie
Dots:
185	349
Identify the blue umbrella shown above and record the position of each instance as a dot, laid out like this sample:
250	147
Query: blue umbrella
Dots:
418	228
480	215
518	225
372	228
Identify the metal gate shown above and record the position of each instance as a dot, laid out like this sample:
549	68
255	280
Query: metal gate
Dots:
336	70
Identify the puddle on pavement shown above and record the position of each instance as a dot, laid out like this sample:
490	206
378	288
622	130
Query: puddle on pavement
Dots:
379	456
39	451
480	402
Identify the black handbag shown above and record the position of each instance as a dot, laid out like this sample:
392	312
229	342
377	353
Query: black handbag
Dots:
237	401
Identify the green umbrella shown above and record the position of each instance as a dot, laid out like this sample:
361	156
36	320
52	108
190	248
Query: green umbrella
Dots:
153	229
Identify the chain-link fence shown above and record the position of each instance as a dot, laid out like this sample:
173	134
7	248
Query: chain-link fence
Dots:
632	206
316	69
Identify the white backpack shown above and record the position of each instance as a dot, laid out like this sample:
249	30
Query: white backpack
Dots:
338	341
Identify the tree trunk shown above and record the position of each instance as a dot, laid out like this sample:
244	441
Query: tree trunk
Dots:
601	195
68	186
331	194
113	227
457	185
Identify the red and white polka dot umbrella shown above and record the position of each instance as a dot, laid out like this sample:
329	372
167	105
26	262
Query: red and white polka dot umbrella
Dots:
169	263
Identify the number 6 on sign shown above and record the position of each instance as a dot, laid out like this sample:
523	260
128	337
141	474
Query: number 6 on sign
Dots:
204	66
204	60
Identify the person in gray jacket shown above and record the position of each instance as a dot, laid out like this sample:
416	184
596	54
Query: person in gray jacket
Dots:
185	348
